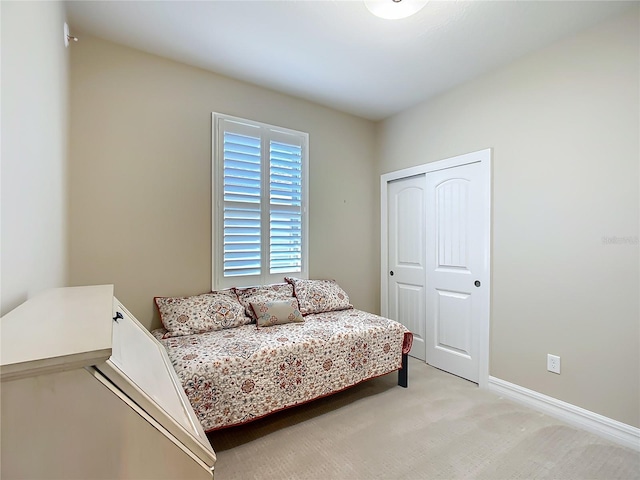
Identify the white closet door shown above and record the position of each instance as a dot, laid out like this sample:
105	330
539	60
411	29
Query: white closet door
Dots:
407	255
436	222
457	270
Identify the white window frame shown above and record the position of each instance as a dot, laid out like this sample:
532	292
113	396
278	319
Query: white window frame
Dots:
218	280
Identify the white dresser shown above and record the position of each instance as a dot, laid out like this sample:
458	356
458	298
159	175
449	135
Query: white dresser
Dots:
84	395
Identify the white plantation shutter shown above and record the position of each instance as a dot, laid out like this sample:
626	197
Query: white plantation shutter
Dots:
285	207
259	203
242	204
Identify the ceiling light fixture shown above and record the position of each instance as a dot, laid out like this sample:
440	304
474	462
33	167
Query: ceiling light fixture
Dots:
394	9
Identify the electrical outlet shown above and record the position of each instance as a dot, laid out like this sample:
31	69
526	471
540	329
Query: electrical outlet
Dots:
553	363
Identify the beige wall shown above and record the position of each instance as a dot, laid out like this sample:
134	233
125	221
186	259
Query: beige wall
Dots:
563	124
140	177
34	150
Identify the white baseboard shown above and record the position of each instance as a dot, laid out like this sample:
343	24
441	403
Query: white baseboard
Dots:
608	428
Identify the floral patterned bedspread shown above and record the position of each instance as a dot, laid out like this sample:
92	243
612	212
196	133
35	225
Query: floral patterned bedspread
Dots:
238	375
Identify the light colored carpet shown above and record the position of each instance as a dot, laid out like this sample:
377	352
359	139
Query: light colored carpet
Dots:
440	427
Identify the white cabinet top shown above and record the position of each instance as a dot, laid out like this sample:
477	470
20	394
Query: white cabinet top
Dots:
60	329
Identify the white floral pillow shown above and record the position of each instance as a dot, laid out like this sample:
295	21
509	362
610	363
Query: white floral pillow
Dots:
276	313
200	313
317	296
264	293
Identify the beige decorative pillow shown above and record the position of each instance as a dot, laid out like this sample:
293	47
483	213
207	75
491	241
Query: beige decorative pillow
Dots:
264	293
317	296
200	313
276	312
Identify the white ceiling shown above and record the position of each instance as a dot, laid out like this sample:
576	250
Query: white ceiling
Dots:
336	53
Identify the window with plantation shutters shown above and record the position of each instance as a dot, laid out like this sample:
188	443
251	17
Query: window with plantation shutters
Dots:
259	203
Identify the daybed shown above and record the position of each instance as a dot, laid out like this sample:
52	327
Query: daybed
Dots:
244	353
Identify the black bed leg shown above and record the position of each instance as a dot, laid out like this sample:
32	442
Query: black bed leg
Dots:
403	373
